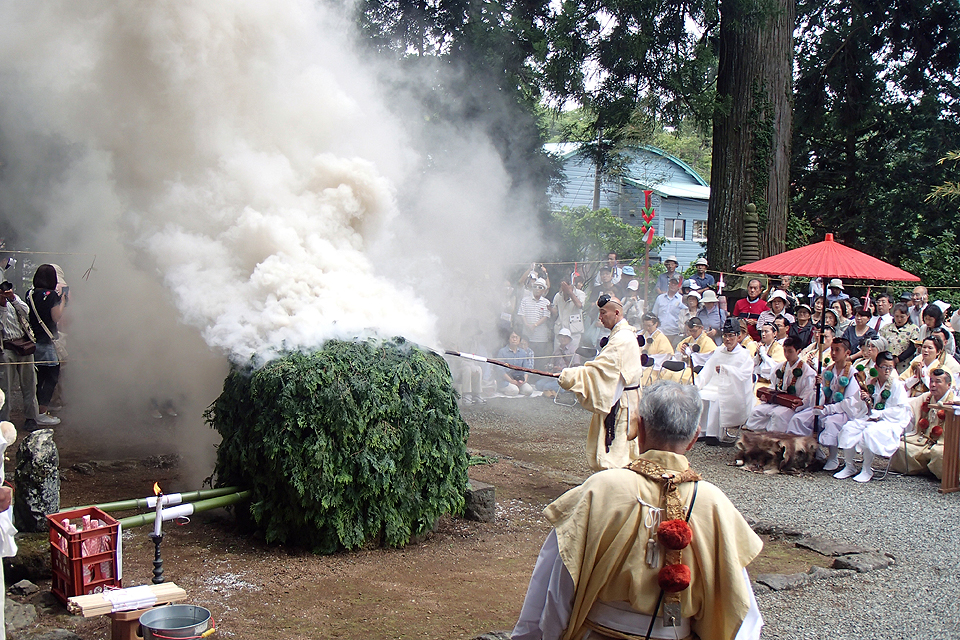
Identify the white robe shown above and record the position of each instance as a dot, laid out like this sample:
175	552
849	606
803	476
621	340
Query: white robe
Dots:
727	395
882	436
767	416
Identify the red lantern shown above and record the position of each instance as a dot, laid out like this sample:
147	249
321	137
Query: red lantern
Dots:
674	577
674	534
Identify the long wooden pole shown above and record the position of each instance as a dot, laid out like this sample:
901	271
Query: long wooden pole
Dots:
473	356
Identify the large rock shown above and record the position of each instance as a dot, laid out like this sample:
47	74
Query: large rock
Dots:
18	616
481	502
37	480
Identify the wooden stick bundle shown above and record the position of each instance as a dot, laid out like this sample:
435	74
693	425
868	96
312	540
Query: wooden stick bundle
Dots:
95	604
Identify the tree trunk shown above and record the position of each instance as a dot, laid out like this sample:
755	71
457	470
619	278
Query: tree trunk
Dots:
751	128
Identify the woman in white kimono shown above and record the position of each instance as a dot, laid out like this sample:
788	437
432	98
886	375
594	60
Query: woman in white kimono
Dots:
932	356
879	432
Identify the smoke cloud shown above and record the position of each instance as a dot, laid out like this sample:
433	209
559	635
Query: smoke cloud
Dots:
236	170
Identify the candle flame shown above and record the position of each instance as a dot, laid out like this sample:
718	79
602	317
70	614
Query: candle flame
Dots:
156	489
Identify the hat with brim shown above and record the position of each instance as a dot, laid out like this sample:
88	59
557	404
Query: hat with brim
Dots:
777	295
628	270
633	285
565	332
672	259
693	294
540	283
805	307
709	296
906	295
700	261
836	283
836	318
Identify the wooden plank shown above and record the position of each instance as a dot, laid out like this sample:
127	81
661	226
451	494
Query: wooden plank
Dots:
950	481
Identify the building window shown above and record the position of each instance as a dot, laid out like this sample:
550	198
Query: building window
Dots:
674	228
700	230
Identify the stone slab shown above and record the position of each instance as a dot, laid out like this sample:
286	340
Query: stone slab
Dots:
862	562
783	582
829	547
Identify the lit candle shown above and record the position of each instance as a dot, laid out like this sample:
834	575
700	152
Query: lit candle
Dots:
158	520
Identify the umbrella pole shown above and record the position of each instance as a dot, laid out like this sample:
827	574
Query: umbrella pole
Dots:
823	323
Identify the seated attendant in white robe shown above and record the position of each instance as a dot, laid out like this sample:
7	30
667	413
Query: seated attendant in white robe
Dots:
878	433
794	376
839	403
726	385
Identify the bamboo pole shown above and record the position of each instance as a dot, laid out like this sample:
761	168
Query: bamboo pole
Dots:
168	499
184	510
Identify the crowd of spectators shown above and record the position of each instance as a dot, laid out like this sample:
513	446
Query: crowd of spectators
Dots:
32	345
548	328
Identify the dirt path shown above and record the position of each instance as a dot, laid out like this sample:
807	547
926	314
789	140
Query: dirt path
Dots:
464	579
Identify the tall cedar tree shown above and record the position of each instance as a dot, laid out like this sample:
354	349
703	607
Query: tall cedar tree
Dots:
876	108
645	50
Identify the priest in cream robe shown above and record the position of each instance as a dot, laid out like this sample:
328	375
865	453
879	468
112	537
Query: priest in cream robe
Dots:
924	447
694	351
609	387
656	345
878	433
793	376
726	385
597	574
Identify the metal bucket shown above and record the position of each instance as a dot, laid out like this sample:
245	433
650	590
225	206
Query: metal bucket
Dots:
176	621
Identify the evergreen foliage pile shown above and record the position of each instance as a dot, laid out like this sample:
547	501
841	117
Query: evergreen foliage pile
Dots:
356	442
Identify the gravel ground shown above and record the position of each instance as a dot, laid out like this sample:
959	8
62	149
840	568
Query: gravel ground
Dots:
903	516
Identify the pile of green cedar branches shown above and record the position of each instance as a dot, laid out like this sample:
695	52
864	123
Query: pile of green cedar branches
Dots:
358	442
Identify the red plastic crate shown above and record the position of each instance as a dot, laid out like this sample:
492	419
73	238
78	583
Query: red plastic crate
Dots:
76	574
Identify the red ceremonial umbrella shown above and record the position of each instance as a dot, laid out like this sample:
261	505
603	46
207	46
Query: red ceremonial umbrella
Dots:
827	259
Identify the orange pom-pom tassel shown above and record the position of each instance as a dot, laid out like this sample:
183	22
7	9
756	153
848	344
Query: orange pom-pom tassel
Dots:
674	577
936	432
922	424
941	414
674	534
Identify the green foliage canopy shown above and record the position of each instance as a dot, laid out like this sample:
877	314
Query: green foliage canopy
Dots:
357	442
594	234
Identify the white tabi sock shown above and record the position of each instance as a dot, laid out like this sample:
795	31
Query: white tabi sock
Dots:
832	460
866	473
849	469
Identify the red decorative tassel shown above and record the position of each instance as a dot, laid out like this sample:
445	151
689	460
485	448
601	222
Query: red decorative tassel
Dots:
674	577
674	534
936	432
941	414
922	424
925	407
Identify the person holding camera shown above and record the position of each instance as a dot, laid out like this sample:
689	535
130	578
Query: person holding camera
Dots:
15	328
46	309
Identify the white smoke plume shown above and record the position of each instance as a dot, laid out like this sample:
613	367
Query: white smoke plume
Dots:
240	154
